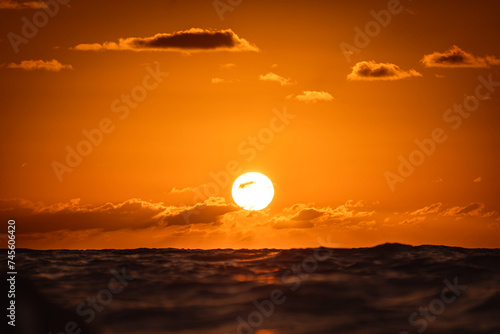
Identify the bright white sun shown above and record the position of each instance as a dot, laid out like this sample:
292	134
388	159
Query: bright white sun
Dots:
253	191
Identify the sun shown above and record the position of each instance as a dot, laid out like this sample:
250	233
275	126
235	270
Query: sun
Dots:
253	191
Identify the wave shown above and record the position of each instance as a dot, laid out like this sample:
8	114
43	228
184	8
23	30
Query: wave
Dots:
390	288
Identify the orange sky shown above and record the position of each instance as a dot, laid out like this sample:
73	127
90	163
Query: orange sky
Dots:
181	97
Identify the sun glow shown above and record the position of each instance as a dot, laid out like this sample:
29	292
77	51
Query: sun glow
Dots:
253	191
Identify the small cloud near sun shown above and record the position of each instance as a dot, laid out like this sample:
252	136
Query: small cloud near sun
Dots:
477	179
191	40
32	65
276	78
371	71
456	57
312	96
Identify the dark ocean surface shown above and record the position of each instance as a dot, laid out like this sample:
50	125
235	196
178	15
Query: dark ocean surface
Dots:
386	289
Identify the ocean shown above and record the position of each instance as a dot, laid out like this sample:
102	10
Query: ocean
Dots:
387	289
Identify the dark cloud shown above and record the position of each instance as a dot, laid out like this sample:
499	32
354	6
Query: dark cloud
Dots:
201	40
456	57
194	39
370	71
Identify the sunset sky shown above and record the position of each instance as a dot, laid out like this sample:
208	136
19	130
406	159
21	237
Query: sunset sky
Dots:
377	121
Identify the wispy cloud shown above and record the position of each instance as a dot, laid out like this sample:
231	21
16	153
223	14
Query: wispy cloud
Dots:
191	40
32	65
371	71
312	96
456	57
275	78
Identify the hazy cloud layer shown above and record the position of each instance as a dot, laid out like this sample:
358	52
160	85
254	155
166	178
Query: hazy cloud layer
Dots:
312	96
215	223
32	65
192	40
371	71
456	57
